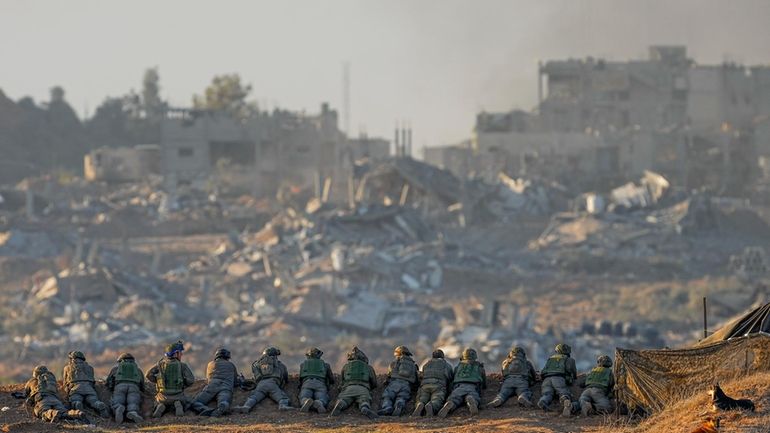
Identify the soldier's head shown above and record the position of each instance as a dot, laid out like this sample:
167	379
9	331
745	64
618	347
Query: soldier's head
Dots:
438	354
401	351
517	351
563	349
126	357
271	351
39	370
314	352
76	354
604	361
174	350
222	353
469	355
357	354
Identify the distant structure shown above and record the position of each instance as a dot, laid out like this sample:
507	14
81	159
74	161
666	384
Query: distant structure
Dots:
698	124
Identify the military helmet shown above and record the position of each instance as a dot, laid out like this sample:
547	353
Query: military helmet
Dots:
357	354
314	352
604	361
40	369
271	351
402	351
125	357
222	353
76	354
469	354
563	349
517	351
438	354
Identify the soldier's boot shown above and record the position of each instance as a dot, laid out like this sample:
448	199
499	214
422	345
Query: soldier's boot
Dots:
75	414
542	405
399	408
178	408
119	414
201	409
103	410
567	408
219	411
366	410
473	405
306	405
318	405
386	409
77	405
524	401
338	408
159	409
250	403
585	408
429	409
448	407
133	416
497	402
284	405
418	409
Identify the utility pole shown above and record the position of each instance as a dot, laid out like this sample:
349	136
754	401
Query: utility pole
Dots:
346	97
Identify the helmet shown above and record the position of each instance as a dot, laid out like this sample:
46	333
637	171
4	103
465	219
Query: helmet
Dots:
76	354
271	351
356	354
222	353
401	351
563	349
125	356
438	354
604	361
517	351
179	346
40	369
314	352
469	354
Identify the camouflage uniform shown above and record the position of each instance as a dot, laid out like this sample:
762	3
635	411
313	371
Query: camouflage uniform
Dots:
599	384
402	378
222	377
358	379
558	375
171	376
42	394
315	377
469	379
518	377
126	382
78	378
437	375
271	376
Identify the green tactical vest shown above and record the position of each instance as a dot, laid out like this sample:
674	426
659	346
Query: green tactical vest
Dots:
171	380
128	372
555	366
357	372
435	370
46	384
468	372
515	367
599	377
405	369
313	367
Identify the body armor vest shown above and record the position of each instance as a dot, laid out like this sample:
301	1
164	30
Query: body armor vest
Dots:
313	367
555	366
266	367
599	377
404	369
357	372
171	380
221	370
468	372
434	371
128	372
81	372
515	367
44	385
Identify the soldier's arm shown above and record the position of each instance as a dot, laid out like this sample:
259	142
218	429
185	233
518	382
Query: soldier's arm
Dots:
187	374
329	374
284	374
110	382
572	368
611	386
483	377
236	378
152	374
532	374
141	380
372	377
342	375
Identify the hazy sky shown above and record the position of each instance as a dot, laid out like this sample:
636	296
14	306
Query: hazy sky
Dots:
435	62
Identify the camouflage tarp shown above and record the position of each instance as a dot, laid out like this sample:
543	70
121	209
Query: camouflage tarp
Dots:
652	379
753	322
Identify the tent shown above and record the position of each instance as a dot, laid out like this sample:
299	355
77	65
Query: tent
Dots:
649	380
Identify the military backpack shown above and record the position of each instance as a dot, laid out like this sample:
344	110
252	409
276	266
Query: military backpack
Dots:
468	372
313	367
515	367
405	369
266	367
357	371
555	366
81	372
171	380
599	377
45	384
435	370
128	372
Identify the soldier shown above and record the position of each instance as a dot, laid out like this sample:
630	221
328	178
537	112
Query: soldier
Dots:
469	379
271	376
599	384
402	378
41	393
518	377
78	378
222	377
558	375
315	377
126	382
171	376
358	379
437	377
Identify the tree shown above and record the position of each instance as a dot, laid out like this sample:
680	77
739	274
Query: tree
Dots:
228	95
151	103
